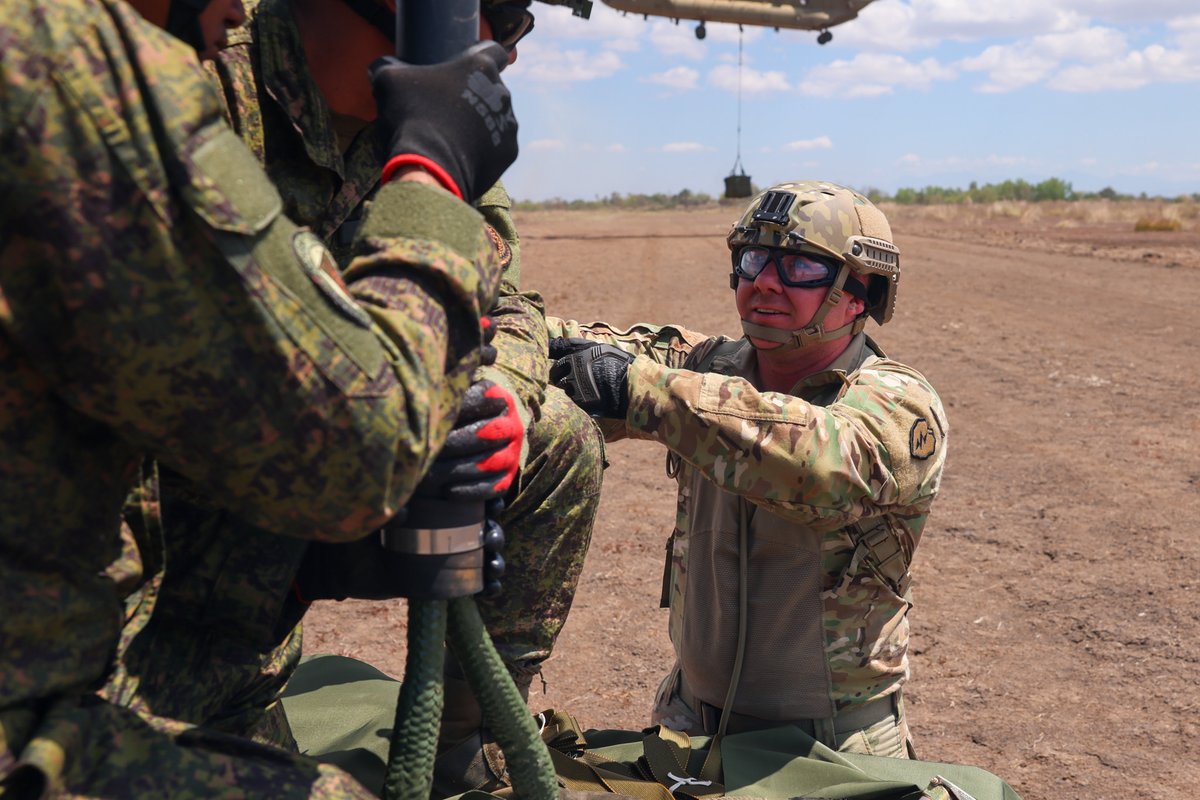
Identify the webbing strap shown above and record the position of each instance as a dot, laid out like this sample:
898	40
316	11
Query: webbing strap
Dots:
661	773
666	758
580	775
711	769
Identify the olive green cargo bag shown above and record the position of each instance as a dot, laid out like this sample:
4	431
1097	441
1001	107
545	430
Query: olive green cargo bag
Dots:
341	711
783	762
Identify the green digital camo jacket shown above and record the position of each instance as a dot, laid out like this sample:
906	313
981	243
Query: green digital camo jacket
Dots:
222	611
154	300
275	105
854	451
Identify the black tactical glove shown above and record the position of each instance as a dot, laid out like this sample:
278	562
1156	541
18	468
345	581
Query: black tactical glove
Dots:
453	119
594	375
563	346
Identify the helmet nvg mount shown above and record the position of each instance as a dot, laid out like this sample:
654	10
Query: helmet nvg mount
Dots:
831	221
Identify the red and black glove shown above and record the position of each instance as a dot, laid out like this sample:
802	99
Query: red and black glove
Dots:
480	458
487	350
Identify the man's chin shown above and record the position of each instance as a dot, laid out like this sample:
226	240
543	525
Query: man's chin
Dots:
764	344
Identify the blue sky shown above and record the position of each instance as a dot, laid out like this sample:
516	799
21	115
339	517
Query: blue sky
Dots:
911	93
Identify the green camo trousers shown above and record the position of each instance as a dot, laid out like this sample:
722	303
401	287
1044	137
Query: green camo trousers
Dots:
547	529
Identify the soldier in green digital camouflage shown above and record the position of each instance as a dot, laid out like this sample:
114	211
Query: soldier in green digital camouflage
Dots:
806	462
310	121
157	302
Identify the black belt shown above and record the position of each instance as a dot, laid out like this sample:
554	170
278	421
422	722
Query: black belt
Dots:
851	718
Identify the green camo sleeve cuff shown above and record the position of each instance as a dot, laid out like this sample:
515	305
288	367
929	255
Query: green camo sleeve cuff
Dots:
407	209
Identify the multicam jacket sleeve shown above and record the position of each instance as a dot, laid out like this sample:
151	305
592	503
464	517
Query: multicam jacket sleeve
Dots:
823	465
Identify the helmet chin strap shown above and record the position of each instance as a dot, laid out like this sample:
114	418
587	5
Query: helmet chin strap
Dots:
814	332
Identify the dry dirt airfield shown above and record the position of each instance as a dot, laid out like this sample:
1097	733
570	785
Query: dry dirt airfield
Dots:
1056	633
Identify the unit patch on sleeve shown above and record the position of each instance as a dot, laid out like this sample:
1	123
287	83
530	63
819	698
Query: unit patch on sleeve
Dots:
503	251
922	440
318	263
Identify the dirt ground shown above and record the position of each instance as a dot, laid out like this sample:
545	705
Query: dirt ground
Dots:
1056	633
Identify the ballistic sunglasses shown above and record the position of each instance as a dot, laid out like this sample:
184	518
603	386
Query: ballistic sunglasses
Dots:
795	269
510	23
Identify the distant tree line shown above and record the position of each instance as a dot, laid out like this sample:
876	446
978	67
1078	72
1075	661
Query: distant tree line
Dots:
1011	190
633	202
1018	190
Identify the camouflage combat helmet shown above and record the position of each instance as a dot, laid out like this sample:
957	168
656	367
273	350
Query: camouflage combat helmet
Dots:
827	220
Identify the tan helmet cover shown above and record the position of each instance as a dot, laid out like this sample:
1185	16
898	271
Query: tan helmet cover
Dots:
827	219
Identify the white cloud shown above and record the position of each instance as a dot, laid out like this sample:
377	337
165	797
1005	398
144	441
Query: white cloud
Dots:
884	26
1088	59
684	147
1085	44
546	145
921	24
615	148
820	143
556	23
965	20
905	25
1186	32
1131	10
871	74
725	76
549	64
1009	67
675	40
682	78
1155	64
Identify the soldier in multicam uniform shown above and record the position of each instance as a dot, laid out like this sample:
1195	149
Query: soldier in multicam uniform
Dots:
806	462
321	149
156	300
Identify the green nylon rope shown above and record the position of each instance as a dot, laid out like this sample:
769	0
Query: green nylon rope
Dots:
419	710
504	709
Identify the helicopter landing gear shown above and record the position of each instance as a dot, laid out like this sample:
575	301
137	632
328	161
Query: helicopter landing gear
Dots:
701	31
825	37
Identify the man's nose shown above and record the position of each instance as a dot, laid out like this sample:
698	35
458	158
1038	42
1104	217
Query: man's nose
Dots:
768	279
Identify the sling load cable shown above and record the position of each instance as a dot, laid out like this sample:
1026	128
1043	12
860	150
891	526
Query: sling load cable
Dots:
737	183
